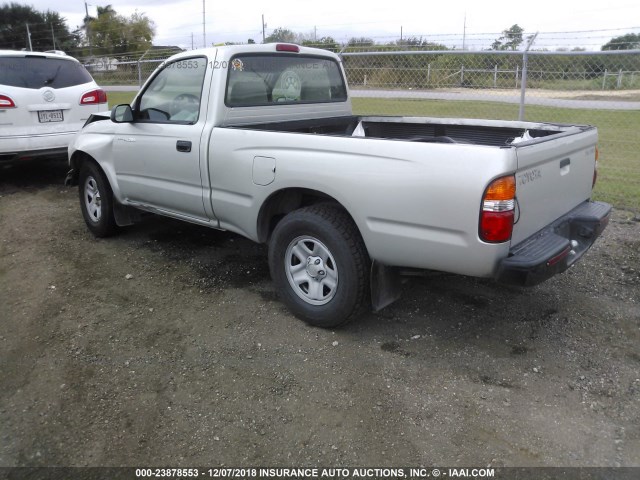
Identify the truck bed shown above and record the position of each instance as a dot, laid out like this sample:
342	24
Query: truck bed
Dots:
553	163
426	130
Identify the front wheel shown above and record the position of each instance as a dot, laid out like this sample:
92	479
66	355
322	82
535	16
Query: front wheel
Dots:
96	200
320	265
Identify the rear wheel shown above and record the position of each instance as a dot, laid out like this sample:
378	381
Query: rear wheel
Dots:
96	200
320	265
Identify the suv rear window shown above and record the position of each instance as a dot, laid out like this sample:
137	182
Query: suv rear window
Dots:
37	72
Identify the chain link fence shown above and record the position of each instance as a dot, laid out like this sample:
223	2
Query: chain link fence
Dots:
604	81
601	89
131	69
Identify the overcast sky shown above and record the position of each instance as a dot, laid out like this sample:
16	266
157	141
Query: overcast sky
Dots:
441	21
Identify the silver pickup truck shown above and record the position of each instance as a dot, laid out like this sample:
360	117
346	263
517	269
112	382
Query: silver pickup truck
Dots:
261	140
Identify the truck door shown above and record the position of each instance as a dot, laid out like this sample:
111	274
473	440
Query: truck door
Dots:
157	156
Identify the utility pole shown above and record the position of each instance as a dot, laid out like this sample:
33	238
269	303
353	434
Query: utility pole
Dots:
400	34
315	33
191	40
86	24
53	37
263	26
29	35
464	32
204	32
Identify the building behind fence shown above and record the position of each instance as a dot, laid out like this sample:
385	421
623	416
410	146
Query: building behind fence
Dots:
601	88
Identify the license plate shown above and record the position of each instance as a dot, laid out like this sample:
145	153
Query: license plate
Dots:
47	116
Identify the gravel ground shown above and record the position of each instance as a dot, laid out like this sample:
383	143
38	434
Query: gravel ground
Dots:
167	346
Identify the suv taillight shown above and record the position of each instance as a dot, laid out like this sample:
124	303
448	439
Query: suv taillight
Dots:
94	97
6	102
497	213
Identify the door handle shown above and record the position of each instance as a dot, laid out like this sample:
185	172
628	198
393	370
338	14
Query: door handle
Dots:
183	146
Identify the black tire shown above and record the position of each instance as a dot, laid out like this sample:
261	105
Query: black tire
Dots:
320	265
96	200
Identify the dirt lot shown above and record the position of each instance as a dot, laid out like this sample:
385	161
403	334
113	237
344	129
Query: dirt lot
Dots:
194	362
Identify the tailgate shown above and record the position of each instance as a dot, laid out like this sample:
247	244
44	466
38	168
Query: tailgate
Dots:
554	175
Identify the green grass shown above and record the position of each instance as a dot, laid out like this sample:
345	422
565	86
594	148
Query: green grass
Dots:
116	98
619	144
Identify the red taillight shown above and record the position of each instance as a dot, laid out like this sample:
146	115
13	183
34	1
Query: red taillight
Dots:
94	97
6	102
497	214
496	227
287	47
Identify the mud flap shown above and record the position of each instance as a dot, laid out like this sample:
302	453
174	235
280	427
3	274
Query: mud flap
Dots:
386	285
124	215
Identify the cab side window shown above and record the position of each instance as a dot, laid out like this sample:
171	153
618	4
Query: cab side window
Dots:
175	94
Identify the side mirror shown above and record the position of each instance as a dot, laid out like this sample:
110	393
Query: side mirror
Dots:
121	114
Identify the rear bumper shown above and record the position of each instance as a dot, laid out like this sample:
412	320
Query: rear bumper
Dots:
14	148
9	158
556	247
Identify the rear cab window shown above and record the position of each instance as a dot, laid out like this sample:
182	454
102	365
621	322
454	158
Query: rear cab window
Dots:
268	79
35	72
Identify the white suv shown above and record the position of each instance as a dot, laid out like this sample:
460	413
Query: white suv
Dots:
45	98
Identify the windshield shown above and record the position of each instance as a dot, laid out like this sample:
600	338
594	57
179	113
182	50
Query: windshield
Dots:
283	79
36	72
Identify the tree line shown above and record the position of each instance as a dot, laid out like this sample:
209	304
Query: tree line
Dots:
108	33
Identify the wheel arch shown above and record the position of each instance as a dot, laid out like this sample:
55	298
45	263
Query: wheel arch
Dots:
79	157
75	162
123	214
385	281
285	201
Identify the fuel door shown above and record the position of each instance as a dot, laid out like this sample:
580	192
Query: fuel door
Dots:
264	170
